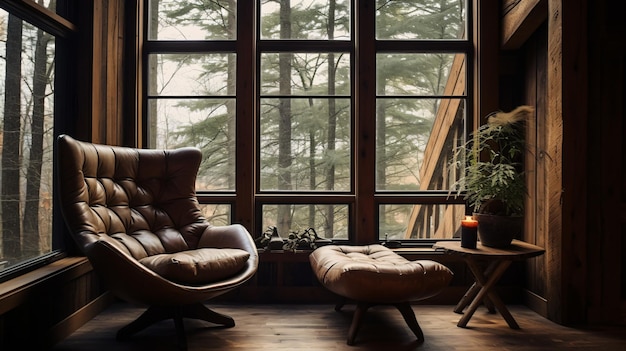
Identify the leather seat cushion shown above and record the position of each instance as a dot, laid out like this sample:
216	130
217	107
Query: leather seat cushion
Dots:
374	273
199	266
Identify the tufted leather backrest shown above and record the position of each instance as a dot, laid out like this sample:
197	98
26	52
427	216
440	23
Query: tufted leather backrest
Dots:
142	201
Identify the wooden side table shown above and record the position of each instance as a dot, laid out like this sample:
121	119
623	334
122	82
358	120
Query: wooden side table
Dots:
498	260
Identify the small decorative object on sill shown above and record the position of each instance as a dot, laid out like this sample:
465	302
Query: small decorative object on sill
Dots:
308	240
269	240
262	241
276	242
469	232
393	244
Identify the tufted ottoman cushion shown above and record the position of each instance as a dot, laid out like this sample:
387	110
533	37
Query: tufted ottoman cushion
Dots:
374	274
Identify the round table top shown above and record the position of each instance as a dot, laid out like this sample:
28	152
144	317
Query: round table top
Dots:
516	251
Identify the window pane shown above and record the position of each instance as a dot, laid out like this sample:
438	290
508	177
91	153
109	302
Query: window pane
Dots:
419	74
192	74
26	114
420	221
305	74
329	221
421	19
414	142
306	19
193	20
305	144
208	124
216	214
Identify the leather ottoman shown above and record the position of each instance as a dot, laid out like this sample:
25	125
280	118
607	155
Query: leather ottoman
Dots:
373	275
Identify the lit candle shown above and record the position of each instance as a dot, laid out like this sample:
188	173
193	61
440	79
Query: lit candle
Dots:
469	232
469	222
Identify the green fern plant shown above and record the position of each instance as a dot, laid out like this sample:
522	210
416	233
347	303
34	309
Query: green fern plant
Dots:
491	162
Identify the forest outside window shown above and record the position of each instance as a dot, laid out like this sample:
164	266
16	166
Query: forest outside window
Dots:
27	97
306	159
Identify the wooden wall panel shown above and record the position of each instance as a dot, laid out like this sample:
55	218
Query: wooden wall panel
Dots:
535	65
486	68
107	100
520	19
607	72
575	183
566	144
132	81
44	306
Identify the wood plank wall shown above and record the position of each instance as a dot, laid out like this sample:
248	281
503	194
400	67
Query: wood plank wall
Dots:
535	59
116	86
567	145
45	306
573	70
606	287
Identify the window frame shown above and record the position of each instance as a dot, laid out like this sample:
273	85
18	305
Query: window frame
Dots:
363	199
56	24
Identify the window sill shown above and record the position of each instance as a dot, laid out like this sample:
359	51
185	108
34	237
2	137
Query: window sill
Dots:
18	290
417	250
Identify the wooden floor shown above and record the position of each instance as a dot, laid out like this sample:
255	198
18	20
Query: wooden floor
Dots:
319	327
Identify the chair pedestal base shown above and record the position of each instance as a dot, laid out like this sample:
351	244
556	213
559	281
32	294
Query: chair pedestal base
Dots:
156	314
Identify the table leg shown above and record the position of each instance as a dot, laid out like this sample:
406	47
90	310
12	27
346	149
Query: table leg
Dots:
493	296
489	304
487	285
473	290
467	298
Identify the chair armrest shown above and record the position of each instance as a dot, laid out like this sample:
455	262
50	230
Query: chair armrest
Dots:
231	236
125	276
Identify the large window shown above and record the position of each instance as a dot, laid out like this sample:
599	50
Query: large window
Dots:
28	52
335	114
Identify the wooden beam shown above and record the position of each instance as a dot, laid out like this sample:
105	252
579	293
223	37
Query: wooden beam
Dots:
535	231
444	122
520	19
565	155
607	166
486	32
443	129
132	74
98	74
108	72
244	212
40	16
365	126
114	38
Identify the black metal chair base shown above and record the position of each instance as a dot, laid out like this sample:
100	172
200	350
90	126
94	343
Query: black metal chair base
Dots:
156	314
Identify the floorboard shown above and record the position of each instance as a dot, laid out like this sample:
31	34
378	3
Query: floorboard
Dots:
320	327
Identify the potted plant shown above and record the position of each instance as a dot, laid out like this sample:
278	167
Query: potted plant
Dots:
308	240
493	175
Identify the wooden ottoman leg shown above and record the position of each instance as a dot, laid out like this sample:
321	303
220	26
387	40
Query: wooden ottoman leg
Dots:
340	304
409	318
361	308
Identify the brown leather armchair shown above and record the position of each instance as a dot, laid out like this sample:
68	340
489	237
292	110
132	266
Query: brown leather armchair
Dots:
135	215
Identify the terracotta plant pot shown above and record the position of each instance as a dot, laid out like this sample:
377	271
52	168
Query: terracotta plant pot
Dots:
498	231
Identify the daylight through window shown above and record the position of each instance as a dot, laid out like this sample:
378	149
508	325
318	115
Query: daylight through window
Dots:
356	110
